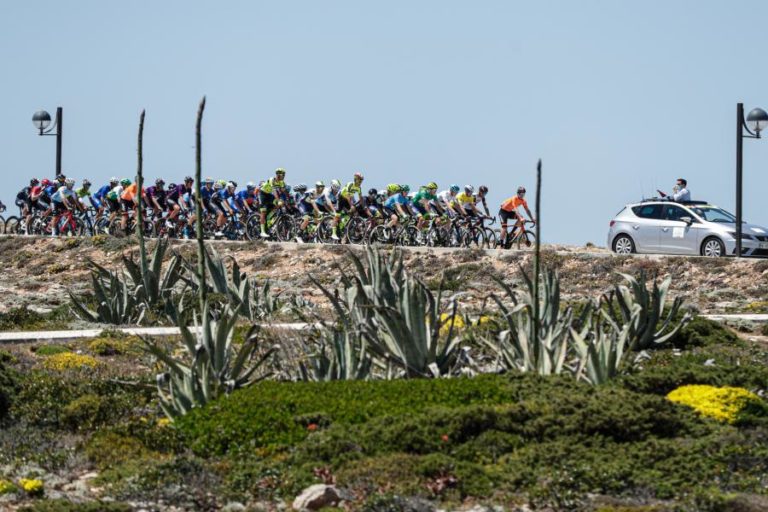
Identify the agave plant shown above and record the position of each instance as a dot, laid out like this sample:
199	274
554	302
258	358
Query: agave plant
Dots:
544	350
601	353
212	366
642	311
127	297
338	355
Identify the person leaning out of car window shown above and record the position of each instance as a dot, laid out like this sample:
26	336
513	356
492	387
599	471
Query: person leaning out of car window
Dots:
680	192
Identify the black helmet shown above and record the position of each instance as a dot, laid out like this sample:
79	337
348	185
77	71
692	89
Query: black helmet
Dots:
33	182
171	186
483	189
159	182
520	189
61	177
187	179
372	192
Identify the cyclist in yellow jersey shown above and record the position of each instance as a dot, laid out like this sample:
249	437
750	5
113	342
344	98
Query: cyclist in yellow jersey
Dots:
465	202
269	192
347	201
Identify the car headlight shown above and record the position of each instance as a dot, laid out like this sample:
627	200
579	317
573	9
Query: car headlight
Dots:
744	236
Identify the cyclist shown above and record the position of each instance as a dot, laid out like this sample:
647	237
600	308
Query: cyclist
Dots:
157	198
424	201
25	202
347	201
446	199
465	202
482	192
62	200
100	196
244	201
373	204
220	203
83	193
333	200
509	211
129	201
113	197
396	205
175	198
206	192
49	188
307	203
270	192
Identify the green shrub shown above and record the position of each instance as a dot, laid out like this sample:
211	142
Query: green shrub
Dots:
702	332
108	450
89	411
9	387
113	346
63	505
24	319
50	350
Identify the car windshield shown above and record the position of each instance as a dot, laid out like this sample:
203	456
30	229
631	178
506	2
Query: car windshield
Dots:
713	214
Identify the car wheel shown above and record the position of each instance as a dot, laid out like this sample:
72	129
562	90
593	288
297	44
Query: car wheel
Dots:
623	244
713	248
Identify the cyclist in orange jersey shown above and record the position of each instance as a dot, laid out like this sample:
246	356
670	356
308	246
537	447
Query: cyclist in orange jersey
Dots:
509	211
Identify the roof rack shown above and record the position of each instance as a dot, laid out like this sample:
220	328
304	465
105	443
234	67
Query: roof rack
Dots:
663	200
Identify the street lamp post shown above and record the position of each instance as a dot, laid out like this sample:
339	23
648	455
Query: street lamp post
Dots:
756	121
42	121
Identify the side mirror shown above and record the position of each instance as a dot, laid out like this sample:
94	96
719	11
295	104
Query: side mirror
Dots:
687	220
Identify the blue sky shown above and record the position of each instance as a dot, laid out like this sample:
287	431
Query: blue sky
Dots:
618	98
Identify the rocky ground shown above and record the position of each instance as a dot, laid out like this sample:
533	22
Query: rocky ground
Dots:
40	272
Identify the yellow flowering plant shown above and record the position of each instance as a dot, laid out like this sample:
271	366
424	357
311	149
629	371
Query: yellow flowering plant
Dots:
7	487
723	404
69	361
32	486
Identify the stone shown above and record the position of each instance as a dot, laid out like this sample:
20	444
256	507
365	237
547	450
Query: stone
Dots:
233	507
316	497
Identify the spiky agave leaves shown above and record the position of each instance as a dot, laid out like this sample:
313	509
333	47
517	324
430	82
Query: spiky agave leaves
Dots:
212	366
642	311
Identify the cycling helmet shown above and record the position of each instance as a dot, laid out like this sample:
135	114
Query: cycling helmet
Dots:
33	182
250	186
319	184
209	181
279	171
217	186
300	188
393	188
61	178
483	189
455	188
372	192
187	179
125	182
405	188
521	190
469	189
69	183
223	183
335	185
113	179
159	182
232	185
46	182
359	176
171	186
86	183
431	185
288	188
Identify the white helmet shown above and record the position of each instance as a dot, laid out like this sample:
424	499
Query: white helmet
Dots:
469	189
335	185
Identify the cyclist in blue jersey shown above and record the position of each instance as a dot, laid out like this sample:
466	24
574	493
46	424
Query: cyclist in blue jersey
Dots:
397	205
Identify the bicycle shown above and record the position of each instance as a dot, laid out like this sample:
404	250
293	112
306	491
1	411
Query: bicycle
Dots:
523	238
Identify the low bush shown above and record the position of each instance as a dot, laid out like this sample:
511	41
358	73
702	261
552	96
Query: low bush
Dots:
701	332
62	505
9	387
50	350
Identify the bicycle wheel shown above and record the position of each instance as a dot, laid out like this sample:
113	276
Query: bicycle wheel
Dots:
355	230
252	227
491	242
524	240
325	231
381	234
284	228
409	237
473	238
11	225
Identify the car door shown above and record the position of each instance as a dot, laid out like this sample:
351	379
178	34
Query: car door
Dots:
677	236
645	227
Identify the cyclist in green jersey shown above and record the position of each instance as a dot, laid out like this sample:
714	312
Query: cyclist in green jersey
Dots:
424	201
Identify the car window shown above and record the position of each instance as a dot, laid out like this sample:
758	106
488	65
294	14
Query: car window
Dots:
713	214
672	212
648	211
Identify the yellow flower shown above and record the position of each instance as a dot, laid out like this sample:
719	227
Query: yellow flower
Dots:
6	487
31	486
445	324
163	422
69	361
722	404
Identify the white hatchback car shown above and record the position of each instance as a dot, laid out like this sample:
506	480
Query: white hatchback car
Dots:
694	228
